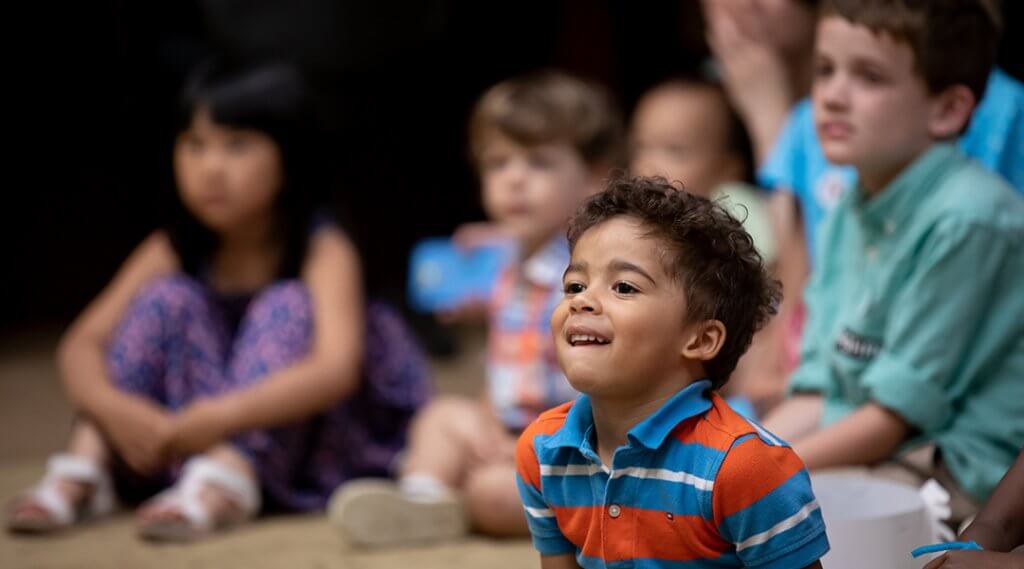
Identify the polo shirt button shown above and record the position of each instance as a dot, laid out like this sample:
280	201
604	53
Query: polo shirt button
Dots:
614	510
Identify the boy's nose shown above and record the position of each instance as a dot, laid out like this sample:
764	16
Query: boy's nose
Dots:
515	176
833	93
583	302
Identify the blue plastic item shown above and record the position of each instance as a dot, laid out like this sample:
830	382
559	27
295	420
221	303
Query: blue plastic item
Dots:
926	549
443	276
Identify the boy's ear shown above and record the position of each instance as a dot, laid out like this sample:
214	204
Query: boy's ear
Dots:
705	342
951	110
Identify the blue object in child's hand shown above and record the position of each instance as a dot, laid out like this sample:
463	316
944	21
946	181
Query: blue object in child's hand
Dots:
935	547
443	276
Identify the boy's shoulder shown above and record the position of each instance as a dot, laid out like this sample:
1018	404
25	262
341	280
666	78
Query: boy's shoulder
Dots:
968	196
547	423
954	196
721	426
551	420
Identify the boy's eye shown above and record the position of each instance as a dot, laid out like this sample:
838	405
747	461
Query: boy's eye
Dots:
624	288
237	143
677	151
540	162
491	163
871	76
192	142
574	288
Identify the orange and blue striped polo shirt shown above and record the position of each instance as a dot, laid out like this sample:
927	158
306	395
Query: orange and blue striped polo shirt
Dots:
696	486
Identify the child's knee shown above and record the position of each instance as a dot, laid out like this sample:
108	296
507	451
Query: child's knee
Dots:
173	294
492	499
493	486
449	413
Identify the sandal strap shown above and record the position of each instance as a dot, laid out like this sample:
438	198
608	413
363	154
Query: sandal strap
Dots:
60	467
77	468
201	471
56	504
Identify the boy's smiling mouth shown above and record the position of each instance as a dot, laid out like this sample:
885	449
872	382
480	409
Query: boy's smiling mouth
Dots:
579	336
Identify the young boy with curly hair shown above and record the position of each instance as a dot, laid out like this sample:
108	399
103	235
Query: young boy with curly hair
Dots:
663	293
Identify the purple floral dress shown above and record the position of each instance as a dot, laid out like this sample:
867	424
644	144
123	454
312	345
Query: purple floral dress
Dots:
179	342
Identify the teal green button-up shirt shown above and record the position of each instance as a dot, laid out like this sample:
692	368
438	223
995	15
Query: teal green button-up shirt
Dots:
917	304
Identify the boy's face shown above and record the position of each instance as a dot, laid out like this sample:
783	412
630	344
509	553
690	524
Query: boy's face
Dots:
871	108
532	190
680	132
618	291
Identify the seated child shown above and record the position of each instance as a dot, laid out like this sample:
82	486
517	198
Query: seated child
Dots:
912	351
233	363
998	529
650	466
686	131
542	143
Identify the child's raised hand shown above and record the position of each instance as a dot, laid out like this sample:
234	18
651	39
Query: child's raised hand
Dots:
977	560
737	35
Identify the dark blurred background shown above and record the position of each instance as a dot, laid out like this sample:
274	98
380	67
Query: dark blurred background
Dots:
95	88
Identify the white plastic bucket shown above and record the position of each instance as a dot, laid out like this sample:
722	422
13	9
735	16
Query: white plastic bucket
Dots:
872	523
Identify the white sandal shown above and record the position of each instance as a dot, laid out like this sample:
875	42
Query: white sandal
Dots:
186	496
60	512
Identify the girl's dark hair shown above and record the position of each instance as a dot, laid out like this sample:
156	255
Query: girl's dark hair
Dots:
275	100
710	255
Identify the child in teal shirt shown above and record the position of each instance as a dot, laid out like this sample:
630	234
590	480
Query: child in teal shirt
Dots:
915	336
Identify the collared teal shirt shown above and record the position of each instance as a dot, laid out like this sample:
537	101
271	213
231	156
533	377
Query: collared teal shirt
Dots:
919	306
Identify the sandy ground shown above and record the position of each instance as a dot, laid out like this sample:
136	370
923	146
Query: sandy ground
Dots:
34	419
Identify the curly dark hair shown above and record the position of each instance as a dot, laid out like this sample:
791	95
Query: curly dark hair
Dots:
714	258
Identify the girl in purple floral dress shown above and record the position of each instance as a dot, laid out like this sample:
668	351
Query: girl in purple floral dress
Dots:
232	363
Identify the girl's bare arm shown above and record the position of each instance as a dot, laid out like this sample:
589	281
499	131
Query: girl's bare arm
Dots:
81	355
331	371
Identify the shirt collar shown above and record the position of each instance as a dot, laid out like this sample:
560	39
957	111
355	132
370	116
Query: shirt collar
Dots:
904	194
547	265
651	432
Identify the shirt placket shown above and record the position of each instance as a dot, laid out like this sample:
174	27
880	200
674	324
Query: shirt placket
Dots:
618	521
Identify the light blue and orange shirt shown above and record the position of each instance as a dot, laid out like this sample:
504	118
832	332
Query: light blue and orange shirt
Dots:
523	376
696	486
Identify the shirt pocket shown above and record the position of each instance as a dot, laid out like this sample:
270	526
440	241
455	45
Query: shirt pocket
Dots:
859	339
